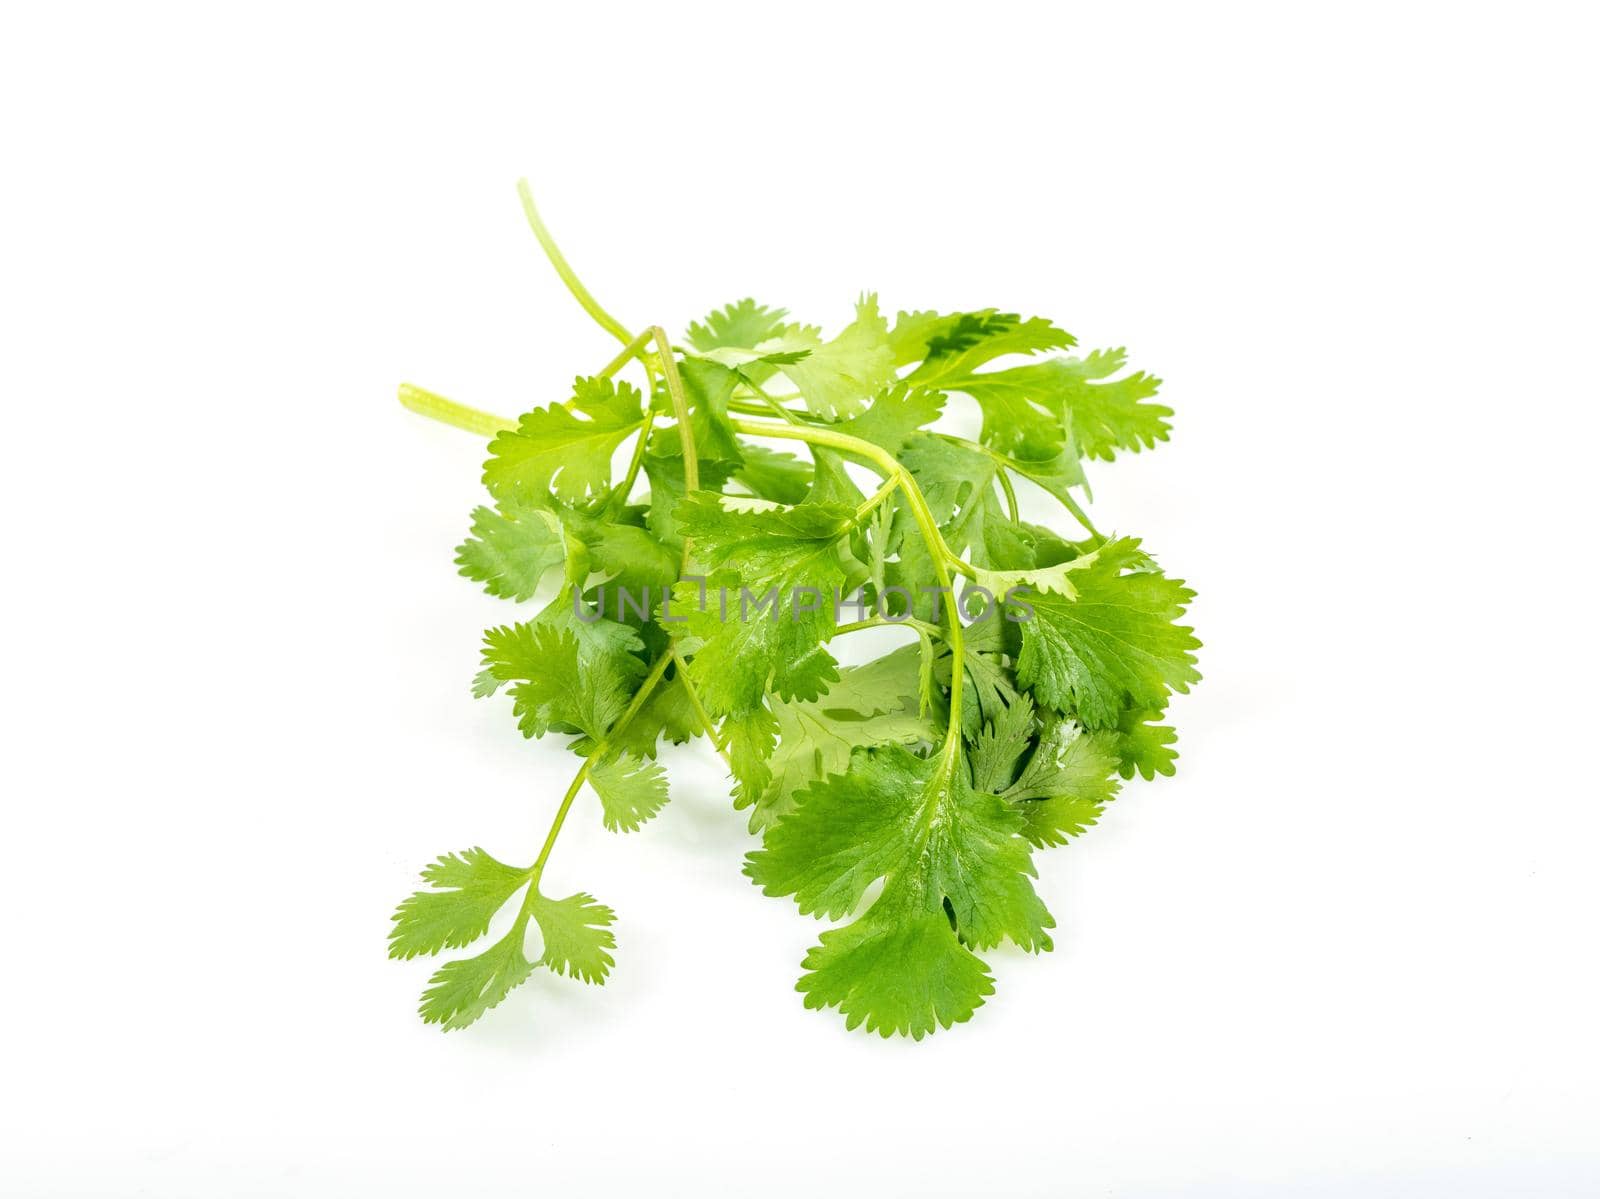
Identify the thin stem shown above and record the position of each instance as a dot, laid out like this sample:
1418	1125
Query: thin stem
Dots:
748	409
878	547
1004	463
959	563
680	408
558	260
884	461
884	622
1011	495
1071	506
783	399
680	411
473	420
771	403
595	755
487	424
629	351
636	461
707	726
876	498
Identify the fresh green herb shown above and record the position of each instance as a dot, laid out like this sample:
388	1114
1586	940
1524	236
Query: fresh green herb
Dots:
700	594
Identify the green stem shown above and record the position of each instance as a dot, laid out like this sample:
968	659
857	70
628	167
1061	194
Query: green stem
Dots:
883	622
1071	506
877	497
594	755
772	405
748	409
558	260
707	726
1004	464
938	551
1011	495
426	403
636	461
631	350
680	411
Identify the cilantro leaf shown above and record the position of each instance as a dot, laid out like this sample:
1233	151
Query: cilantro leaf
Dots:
999	745
757	629
902	799
1066	781
634	558
836	378
1111	414
742	323
1116	643
511	550
553	685
577	935
470	887
956	877
463	990
894	415
666	714
1145	748
707	388
773	474
551	447
953	346
959	483
668	488
870	705
630	791
1030	410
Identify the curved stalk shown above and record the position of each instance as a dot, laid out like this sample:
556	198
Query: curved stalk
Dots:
636	461
1006	464
772	405
558	260
877	497
883	622
938	551
1010	494
631	350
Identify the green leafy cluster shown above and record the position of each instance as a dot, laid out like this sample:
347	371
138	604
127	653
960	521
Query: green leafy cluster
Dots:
901	800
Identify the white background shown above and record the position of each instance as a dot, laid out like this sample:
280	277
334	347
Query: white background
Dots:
1348	950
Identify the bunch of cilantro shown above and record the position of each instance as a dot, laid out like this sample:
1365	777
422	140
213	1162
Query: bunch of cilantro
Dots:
1035	673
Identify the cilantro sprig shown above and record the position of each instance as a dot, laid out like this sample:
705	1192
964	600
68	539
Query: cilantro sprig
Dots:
902	800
